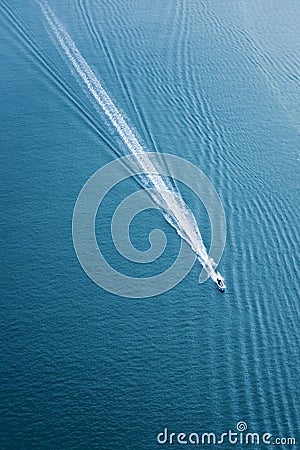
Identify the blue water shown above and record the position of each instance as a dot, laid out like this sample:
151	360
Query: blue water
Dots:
219	86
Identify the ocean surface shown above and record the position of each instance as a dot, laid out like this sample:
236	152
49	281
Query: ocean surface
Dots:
216	83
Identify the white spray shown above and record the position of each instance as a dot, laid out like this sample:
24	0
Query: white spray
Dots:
174	209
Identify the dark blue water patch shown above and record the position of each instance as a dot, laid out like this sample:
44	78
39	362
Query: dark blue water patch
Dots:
139	229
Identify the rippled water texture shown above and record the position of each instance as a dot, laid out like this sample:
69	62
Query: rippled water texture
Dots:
213	83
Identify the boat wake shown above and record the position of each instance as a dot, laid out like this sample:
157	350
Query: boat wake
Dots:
166	196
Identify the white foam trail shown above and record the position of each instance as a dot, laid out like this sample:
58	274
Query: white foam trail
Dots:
174	208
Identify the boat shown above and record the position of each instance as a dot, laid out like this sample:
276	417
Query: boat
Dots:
220	283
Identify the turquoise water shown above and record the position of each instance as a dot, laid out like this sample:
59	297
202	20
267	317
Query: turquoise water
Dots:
219	86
